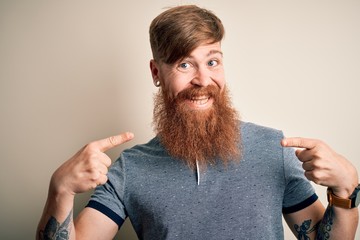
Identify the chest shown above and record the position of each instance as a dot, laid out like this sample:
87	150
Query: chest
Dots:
165	195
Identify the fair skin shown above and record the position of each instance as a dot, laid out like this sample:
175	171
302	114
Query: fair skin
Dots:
324	166
81	173
204	66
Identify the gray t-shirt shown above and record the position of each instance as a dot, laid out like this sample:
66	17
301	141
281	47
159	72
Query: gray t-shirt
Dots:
244	200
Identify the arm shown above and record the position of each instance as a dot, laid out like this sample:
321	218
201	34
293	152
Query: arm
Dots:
81	173
325	167
314	222
305	223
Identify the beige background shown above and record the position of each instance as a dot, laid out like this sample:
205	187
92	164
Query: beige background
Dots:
76	71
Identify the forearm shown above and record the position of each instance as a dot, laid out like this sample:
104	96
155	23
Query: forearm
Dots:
57	218
338	223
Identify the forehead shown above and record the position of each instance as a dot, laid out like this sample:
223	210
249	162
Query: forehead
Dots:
206	50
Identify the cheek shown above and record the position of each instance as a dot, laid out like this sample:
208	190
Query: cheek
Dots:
175	83
175	88
219	79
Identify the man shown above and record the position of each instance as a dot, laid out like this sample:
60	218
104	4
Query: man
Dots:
206	175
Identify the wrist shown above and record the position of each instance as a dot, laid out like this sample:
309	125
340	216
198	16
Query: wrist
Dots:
347	184
344	192
344	202
59	202
60	198
58	190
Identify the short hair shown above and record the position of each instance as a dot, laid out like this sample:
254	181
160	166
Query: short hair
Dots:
176	32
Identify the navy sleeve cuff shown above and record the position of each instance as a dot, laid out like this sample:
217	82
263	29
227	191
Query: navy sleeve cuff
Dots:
307	202
107	211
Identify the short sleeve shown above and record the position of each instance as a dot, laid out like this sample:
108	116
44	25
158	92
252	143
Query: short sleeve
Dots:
108	198
299	193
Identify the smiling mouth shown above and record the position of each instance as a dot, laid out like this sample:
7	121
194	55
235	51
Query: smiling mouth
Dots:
200	102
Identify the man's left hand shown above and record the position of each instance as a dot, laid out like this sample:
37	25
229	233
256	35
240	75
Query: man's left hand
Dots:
324	166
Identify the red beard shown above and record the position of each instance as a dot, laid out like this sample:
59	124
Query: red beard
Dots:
198	135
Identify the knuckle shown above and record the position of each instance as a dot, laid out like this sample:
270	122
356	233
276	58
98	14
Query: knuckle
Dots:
93	173
317	177
107	162
90	146
321	145
91	162
316	164
93	185
305	166
316	154
113	140
104	180
94	176
93	167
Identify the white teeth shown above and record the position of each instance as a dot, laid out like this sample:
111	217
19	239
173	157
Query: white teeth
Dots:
200	100
200	97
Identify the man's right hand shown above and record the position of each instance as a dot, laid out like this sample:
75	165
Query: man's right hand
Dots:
87	168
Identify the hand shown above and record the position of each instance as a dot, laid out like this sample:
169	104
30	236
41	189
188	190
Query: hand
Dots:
324	166
87	168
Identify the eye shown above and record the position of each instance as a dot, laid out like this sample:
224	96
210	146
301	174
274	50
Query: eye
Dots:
184	65
213	63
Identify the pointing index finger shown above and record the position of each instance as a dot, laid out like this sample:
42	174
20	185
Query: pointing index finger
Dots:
299	142
113	141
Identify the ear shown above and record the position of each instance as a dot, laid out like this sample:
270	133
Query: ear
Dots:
154	70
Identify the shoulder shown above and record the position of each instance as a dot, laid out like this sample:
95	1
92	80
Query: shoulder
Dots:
151	148
261	141
143	154
254	131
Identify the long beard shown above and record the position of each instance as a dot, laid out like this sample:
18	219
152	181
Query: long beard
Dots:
201	136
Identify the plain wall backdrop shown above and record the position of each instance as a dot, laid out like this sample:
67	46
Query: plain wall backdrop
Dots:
76	71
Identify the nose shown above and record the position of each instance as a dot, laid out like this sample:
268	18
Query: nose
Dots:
202	77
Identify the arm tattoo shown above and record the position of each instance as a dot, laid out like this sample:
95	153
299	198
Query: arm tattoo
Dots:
56	231
304	229
325	225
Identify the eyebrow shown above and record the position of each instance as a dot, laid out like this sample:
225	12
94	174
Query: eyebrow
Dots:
211	52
